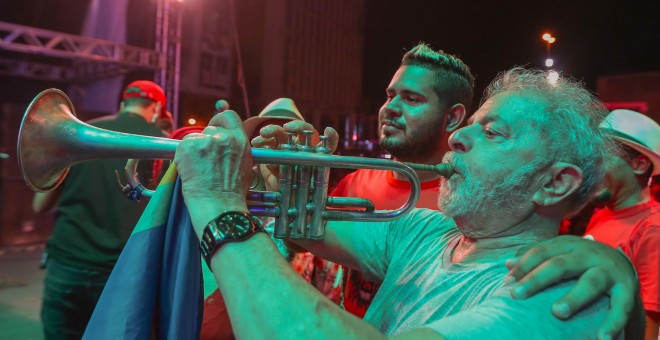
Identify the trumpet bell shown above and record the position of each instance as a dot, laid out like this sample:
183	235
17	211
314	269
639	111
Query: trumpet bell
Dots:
44	140
52	139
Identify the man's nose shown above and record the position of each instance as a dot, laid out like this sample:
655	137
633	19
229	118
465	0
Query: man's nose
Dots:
393	107
460	141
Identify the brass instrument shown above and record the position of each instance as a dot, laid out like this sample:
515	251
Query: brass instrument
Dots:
51	139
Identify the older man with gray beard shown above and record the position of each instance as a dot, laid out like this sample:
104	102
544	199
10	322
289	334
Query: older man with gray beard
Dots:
529	157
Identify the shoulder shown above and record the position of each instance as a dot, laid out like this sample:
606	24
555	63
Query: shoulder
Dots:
506	317
423	224
654	214
648	230
649	226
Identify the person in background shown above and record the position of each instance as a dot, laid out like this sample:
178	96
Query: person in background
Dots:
94	219
165	123
428	98
630	219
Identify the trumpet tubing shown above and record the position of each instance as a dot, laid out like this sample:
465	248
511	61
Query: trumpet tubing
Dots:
52	139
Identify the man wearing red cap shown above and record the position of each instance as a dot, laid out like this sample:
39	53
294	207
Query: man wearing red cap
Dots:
94	219
631	219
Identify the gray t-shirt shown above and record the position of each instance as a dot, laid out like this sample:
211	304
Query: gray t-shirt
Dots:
422	287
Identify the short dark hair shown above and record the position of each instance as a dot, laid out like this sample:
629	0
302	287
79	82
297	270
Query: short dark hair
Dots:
138	101
454	81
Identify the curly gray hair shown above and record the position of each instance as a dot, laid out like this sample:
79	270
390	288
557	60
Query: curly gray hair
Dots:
570	119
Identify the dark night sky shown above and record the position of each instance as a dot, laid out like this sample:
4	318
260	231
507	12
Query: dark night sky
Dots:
594	38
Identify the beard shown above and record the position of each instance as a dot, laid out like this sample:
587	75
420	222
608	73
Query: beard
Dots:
414	144
473	200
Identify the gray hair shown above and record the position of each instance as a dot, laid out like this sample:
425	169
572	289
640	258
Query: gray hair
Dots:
454	81
570	120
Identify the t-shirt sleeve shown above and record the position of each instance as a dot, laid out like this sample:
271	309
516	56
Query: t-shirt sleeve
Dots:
503	317
647	264
379	242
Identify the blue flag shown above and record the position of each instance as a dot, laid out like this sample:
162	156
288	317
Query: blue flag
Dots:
155	289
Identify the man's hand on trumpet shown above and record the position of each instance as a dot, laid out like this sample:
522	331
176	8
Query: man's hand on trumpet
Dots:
215	169
273	136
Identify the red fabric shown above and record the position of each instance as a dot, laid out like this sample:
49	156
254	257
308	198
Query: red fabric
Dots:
385	190
636	230
324	275
387	193
358	293
184	131
215	322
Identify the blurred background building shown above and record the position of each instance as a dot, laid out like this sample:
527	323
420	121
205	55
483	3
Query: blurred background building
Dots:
249	52
333	57
637	91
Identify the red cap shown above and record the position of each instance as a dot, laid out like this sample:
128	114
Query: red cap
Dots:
147	89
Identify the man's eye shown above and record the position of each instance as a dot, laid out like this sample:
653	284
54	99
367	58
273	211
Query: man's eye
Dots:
412	100
490	133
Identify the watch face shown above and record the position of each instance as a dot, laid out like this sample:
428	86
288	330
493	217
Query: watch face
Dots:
229	227
234	225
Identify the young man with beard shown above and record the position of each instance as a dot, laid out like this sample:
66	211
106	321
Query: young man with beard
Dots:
631	218
439	278
428	98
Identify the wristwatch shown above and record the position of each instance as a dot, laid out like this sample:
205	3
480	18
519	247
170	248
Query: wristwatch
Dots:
231	226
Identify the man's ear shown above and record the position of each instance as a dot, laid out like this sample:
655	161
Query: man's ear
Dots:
454	117
559	182
640	164
157	108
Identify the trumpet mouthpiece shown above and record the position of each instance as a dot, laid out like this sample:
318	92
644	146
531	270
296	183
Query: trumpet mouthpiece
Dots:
443	169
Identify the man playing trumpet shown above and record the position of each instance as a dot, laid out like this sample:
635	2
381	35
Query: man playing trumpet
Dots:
530	156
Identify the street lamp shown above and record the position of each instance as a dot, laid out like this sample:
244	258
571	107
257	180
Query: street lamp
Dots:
549	62
549	40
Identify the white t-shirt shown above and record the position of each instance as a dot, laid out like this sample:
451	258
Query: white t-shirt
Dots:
422	287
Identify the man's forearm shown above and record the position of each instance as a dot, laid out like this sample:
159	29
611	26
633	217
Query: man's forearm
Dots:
337	244
265	297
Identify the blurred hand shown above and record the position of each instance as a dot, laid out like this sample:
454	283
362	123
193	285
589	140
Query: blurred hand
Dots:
272	136
215	168
600	269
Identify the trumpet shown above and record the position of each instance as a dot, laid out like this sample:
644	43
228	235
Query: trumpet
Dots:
51	139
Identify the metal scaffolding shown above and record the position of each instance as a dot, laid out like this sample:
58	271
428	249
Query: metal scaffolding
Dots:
168	45
19	38
97	58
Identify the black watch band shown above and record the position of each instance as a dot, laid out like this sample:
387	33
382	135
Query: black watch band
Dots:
230	226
